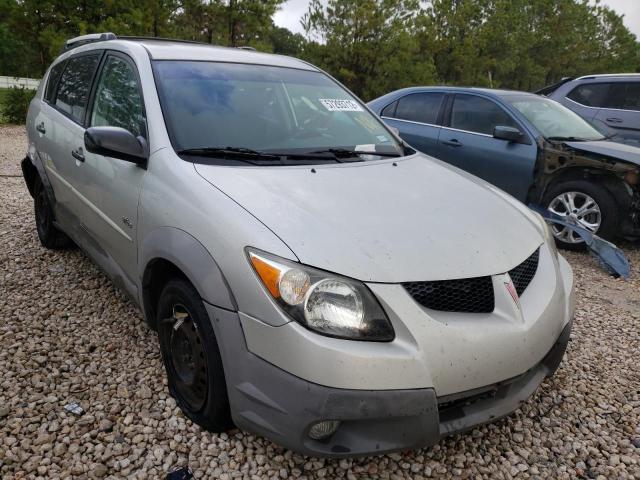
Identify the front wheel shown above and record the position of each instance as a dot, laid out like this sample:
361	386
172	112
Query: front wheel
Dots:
590	205
191	357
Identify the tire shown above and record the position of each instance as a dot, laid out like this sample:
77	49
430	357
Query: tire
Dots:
50	237
191	357
580	193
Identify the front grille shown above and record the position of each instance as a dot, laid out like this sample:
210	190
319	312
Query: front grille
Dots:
524	273
469	295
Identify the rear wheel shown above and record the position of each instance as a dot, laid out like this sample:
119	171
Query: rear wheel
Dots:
50	237
588	204
191	357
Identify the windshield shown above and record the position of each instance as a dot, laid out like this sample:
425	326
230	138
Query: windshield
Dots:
264	109
553	120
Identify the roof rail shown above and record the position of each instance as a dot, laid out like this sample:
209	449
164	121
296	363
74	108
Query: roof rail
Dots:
163	39
247	47
84	39
602	75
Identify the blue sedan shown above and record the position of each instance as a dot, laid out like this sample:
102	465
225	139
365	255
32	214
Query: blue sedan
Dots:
529	146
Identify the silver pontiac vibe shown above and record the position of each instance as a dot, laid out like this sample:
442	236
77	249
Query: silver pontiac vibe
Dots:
312	278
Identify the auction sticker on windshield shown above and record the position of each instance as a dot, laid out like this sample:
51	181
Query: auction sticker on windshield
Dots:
340	105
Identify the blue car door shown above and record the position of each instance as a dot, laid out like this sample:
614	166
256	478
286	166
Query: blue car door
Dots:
466	140
416	116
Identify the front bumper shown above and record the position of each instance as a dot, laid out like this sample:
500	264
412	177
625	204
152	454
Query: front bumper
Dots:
278	405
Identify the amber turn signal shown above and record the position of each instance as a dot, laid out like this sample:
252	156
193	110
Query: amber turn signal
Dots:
269	274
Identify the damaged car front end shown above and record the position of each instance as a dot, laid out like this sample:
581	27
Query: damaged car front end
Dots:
581	175
607	165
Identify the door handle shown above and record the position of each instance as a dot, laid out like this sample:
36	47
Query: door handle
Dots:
452	143
40	128
78	154
614	120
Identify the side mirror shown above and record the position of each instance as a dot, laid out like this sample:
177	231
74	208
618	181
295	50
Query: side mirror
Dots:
118	143
509	134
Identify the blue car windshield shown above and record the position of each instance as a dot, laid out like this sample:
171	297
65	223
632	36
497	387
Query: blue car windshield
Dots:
264	108
552	120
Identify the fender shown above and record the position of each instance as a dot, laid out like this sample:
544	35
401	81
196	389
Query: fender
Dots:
191	258
33	165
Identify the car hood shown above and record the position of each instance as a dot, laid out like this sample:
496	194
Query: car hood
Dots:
386	221
619	151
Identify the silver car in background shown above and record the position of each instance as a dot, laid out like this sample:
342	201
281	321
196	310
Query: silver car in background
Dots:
312	279
610	102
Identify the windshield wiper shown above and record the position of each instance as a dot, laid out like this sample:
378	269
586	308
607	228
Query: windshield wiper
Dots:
345	152
247	154
229	151
572	139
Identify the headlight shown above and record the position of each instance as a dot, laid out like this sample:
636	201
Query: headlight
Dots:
323	302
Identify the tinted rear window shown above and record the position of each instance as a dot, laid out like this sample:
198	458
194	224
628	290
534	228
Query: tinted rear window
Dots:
419	107
74	85
389	110
624	95
52	82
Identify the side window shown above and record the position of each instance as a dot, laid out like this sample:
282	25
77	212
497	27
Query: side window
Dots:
478	115
389	110
52	81
420	107
118	100
74	85
632	96
624	95
590	94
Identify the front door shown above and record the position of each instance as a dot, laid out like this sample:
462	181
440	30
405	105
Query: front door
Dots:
111	185
468	143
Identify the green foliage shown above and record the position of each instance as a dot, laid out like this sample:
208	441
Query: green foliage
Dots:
373	46
370	45
523	44
377	45
14	104
37	29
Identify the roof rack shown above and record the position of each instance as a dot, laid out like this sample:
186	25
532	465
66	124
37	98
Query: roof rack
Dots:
602	75
84	39
161	39
101	37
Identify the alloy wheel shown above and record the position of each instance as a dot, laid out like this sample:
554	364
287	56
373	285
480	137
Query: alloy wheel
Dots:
575	207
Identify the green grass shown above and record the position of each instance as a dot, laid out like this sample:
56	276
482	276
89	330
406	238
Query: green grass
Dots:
3	94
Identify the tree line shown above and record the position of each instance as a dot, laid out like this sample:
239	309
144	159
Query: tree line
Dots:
373	46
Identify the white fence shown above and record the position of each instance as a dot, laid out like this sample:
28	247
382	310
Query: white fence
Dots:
7	82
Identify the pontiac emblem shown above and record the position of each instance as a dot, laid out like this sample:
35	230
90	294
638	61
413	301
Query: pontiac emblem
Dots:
511	288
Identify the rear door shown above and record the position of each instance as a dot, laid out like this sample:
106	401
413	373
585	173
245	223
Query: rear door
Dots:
467	142
112	186
620	113
60	125
416	117
42	127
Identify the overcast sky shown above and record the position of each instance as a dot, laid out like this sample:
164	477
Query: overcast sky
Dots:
289	15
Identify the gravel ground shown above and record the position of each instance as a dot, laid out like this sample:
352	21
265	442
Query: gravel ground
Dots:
66	334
